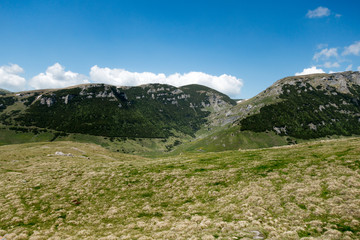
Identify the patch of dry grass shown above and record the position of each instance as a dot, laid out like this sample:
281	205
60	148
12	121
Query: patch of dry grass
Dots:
308	191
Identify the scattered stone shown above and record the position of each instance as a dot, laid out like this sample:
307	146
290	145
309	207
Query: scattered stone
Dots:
258	235
63	154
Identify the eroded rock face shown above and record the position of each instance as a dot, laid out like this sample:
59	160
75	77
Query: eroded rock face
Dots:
217	102
68	98
341	82
49	101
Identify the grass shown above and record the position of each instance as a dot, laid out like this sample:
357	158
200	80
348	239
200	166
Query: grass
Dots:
305	191
233	139
139	146
12	137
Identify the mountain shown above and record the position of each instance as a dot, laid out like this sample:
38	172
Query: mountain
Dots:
147	111
292	109
4	91
310	107
188	118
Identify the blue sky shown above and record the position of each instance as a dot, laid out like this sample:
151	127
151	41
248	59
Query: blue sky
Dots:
238	47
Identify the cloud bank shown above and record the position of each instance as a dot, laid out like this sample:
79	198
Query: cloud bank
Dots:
10	78
56	77
227	84
311	70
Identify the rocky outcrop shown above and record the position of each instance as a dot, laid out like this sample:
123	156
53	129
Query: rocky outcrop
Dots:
49	101
68	98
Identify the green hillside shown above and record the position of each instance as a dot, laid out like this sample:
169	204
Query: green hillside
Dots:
292	110
148	111
309	110
304	191
4	91
233	139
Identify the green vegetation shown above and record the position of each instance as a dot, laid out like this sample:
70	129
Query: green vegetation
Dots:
4	91
232	139
309	190
149	111
140	146
99	116
308	113
15	135
6	101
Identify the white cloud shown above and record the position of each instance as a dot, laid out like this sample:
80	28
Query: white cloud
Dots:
338	15
326	53
358	68
352	49
224	83
56	77
310	70
10	78
331	65
348	68
318	12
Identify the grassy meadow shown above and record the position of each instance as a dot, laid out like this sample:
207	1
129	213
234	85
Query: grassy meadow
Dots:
305	191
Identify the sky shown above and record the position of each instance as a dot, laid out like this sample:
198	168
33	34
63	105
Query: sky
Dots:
237	47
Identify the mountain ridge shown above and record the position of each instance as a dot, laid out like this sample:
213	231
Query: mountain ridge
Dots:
294	108
150	111
4	91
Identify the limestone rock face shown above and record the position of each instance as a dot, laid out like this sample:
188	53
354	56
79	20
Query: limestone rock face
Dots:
49	101
68	98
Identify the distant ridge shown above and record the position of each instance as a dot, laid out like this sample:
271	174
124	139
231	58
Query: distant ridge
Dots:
4	91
